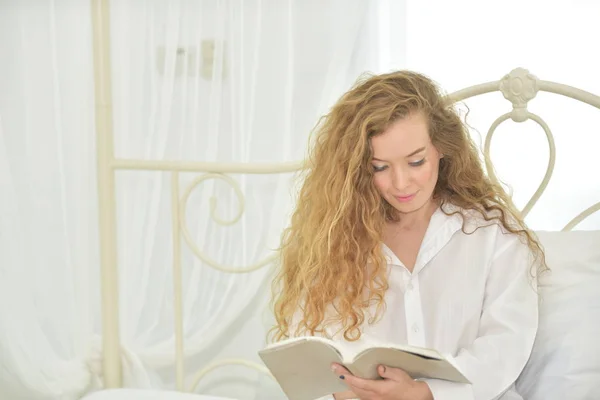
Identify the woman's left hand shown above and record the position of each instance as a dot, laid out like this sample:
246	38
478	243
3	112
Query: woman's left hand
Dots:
396	385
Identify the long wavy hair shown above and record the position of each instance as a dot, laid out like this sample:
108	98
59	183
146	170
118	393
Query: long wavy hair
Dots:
336	228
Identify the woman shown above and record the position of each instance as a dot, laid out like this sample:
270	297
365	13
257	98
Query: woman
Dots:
400	237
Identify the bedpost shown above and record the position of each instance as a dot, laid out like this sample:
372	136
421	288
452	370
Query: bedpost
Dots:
111	354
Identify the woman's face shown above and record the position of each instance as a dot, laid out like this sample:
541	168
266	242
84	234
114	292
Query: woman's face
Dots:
405	163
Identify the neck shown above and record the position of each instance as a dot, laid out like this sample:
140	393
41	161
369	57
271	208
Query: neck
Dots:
417	218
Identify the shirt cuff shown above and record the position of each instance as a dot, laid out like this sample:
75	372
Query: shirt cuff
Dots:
446	390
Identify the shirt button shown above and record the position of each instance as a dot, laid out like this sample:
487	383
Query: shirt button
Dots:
415	328
410	286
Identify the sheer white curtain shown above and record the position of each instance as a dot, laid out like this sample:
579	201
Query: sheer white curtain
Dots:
273	68
465	42
218	80
48	240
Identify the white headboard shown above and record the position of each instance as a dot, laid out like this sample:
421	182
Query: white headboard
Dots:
518	87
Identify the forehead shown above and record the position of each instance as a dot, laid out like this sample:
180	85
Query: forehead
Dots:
402	137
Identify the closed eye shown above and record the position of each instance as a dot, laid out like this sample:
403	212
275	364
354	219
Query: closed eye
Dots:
417	163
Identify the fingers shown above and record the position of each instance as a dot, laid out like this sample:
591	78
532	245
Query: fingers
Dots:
394	380
340	370
352	381
394	374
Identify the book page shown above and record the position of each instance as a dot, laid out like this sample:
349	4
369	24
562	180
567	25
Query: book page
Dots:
422	351
417	366
302	367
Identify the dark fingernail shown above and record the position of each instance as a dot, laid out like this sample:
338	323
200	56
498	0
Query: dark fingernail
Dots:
342	377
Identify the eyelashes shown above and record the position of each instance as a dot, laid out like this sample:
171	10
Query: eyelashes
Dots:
412	164
417	163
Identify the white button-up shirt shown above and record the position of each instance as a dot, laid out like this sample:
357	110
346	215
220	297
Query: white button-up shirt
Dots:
472	297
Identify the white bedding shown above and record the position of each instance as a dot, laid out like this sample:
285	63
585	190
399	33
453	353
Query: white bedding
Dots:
565	363
138	394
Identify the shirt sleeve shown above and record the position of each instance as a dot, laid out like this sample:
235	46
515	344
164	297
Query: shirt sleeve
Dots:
507	328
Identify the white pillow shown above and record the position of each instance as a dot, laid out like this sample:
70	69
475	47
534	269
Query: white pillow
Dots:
565	363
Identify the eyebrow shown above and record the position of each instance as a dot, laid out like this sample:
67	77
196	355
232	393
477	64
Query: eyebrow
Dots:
410	155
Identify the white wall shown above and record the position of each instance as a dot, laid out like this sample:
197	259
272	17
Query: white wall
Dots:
465	42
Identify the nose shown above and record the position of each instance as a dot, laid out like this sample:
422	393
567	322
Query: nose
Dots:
400	179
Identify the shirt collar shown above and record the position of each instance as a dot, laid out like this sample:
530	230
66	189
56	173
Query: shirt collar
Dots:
440	230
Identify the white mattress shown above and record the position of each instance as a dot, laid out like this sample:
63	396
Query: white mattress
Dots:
138	394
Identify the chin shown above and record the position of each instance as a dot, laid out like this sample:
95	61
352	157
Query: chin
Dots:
406	209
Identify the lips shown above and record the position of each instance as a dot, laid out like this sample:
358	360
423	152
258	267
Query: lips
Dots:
404	199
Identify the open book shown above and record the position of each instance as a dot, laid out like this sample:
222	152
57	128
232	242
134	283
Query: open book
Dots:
302	366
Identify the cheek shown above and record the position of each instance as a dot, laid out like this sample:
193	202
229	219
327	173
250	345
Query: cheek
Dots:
426	176
381	183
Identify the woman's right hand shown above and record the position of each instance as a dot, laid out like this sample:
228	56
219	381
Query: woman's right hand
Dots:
348	394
